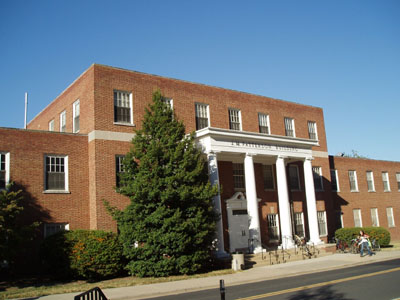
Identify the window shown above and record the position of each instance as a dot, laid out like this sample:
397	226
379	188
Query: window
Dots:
299	224
312	130
289	127
294	180
51	125
4	169
234	119
263	122
268	177
52	228
357	217
385	179
334	181
317	174
75	116
119	168
63	121
123	107
273	227
202	116
321	215
168	101
56	173
389	212
374	217
370	181
238	176
398	181
353	181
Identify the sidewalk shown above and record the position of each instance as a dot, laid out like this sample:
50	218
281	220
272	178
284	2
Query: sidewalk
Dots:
325	263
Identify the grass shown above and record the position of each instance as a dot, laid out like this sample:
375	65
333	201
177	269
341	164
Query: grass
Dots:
34	287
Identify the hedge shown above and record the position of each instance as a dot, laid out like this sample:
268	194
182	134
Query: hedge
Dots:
89	254
382	235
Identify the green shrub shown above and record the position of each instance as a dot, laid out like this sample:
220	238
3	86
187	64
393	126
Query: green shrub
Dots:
382	235
88	254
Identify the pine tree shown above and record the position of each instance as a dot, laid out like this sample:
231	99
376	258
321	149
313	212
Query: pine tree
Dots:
169	225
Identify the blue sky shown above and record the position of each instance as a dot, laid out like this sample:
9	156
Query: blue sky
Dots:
343	56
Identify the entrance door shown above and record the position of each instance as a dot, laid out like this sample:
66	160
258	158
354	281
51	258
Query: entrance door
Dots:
238	223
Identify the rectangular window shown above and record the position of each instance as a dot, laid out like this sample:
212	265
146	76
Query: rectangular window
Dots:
268	177
390	217
374	217
289	127
334	181
353	181
312	130
202	116
370	181
119	168
52	228
385	179
321	215
317	174
235	119
398	181
56	173
238	176
4	169
273	227
299	224
63	121
357	217
294	180
123	107
168	101
263	123
51	125
75	115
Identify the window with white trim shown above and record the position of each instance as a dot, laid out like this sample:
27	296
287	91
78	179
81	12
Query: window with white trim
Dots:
268	176
238	176
56	173
390	217
273	227
299	224
202	116
168	101
374	217
321	215
353	181
357	217
385	180
235	119
119	168
4	169
335	181
398	181
317	175
263	123
312	130
75	116
289	127
123	107
294	178
51	125
370	181
63	121
53	228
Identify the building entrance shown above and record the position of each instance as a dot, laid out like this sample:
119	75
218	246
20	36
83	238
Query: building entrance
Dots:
238	223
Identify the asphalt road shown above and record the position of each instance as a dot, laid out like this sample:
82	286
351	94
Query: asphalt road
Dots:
377	281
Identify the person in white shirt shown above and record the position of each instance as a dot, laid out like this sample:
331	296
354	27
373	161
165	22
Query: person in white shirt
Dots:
363	243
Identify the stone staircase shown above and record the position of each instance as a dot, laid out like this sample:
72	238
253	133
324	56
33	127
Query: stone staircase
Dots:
279	256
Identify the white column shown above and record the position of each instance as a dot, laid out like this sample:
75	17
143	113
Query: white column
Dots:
311	202
252	203
284	206
214	179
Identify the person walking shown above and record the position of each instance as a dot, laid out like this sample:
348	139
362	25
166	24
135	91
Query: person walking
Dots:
364	243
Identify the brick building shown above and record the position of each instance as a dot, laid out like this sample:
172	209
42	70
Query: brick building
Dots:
269	155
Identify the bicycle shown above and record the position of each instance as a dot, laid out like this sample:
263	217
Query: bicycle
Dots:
375	245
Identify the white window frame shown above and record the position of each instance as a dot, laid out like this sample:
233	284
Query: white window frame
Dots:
263	122
355	180
321	216
48	231
63	121
238	178
6	157
312	130
390	217
168	101
398	181
264	170
289	127
370	181
385	179
273	218
299	216
76	112
235	117
374	217
298	178
357	213
130	101
335	175
66	174
317	175
51	125
202	111
119	168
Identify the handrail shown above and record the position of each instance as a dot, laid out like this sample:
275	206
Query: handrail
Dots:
94	293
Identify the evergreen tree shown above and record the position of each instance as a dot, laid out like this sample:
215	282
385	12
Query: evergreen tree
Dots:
169	225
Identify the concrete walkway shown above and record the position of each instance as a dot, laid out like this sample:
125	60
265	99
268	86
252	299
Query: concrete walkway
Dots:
325	263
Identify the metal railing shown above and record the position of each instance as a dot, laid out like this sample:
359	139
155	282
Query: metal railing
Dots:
92	294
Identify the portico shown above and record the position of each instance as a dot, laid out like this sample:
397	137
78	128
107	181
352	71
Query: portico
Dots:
249	148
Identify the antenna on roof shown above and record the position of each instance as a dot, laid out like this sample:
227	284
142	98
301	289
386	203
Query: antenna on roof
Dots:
26	108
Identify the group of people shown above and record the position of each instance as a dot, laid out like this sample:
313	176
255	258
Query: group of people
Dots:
364	243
